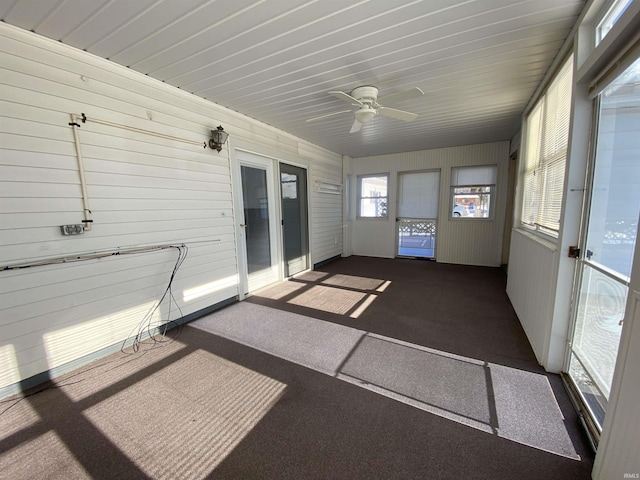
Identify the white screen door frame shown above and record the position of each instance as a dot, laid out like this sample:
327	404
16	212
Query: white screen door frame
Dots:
257	218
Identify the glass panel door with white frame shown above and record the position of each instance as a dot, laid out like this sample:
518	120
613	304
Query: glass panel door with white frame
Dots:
417	214
259	223
611	228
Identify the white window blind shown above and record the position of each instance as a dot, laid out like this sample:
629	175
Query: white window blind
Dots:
418	195
481	175
545	156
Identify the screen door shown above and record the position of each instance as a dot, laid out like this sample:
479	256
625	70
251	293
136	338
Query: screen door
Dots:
417	214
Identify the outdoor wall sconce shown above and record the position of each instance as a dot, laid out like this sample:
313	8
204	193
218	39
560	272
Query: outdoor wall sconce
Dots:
218	137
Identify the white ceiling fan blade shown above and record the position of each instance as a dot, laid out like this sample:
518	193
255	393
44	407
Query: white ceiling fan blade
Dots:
345	97
397	114
320	117
401	96
355	127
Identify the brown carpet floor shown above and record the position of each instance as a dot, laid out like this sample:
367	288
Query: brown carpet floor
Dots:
202	406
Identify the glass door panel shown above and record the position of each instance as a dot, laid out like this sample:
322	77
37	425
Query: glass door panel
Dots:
258	223
256	218
606	258
293	186
596	337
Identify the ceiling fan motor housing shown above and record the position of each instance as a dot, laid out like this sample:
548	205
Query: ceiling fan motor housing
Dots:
366	94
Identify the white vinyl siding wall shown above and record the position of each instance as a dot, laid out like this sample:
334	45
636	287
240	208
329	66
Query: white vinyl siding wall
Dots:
470	243
142	190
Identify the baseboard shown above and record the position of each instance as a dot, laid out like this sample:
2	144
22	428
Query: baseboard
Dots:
324	262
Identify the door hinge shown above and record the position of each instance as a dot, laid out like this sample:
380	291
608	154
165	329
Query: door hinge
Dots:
574	252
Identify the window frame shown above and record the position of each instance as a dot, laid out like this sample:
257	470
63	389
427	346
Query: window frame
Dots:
360	197
491	194
609	14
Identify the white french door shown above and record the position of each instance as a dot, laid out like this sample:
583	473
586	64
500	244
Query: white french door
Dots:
258	235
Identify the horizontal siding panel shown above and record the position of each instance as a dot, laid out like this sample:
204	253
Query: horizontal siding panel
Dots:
31	251
28	205
24	143
49	276
125	204
35	205
48	298
214	192
40	174
26	322
18	189
191	228
126	179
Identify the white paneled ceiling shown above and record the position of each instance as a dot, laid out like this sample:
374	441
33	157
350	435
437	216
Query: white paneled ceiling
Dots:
477	61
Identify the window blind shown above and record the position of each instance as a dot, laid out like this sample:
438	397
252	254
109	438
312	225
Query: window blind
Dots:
481	175
545	156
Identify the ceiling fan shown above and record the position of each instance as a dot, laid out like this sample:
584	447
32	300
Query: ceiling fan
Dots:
366	99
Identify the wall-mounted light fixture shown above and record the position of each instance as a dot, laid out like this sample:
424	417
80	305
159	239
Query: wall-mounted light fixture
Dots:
218	137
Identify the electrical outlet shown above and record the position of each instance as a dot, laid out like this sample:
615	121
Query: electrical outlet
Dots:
76	229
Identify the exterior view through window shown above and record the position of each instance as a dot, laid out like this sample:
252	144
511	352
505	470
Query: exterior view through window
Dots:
373	196
471	191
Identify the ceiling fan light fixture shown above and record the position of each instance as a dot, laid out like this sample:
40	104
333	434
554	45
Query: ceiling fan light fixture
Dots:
365	114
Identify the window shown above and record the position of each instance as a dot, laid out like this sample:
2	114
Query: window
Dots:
545	153
472	191
610	18
373	196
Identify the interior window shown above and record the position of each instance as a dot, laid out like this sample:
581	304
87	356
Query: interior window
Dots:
472	191
373	196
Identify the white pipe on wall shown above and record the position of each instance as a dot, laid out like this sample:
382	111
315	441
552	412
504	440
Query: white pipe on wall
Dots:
83	185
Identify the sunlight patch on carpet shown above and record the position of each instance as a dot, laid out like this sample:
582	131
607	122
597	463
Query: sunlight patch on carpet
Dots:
327	299
350	281
218	409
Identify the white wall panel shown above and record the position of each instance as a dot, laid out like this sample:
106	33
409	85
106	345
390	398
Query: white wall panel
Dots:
530	286
472	242
143	190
